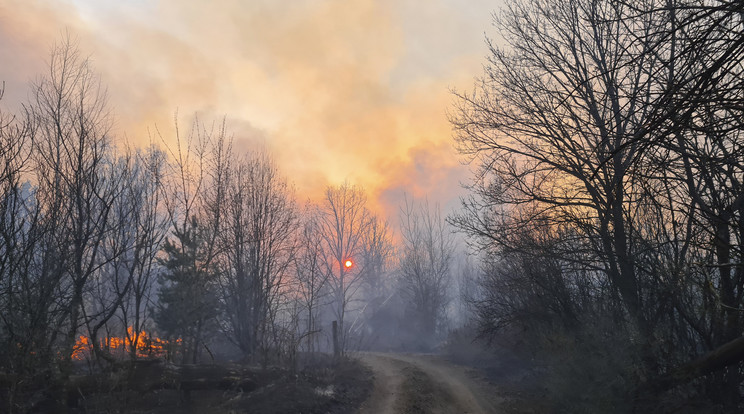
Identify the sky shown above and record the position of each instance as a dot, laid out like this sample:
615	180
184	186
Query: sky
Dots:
336	90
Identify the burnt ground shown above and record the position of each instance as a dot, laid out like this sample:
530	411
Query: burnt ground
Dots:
327	387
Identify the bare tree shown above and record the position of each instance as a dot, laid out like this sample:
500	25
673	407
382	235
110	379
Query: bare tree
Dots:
106	291
188	292
378	252
614	127
427	251
28	306
185	173
310	277
76	182
552	125
698	149
343	223
147	232
377	285
257	243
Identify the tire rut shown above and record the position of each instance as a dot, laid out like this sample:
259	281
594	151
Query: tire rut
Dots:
413	384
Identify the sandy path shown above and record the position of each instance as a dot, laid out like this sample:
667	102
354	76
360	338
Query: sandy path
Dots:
410	383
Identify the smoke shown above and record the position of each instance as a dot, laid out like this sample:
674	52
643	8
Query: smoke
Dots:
335	89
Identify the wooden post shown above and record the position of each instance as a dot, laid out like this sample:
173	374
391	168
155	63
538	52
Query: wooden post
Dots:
336	351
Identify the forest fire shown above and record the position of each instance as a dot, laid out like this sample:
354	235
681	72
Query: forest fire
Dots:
145	345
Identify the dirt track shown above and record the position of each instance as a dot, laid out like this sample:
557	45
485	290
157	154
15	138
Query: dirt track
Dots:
409	383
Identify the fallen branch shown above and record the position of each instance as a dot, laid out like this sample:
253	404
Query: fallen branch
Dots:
725	355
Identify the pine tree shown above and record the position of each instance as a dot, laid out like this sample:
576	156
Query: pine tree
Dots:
188	302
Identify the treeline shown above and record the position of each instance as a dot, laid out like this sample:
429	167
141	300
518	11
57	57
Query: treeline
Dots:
609	202
188	248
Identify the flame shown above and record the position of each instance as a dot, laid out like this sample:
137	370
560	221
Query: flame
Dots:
145	345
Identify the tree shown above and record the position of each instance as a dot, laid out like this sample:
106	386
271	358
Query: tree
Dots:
343	221
377	254
310	277
188	301
187	293
147	230
608	132
257	246
377	285
28	307
552	126
77	185
426	256
699	134
106	292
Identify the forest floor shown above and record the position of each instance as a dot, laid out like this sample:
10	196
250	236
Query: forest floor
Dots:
332	387
367	383
424	383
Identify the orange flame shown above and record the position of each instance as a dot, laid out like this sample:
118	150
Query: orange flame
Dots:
145	346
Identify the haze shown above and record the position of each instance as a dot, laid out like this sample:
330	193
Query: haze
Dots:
337	90
264	211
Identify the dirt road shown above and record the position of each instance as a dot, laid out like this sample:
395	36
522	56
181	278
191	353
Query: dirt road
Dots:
410	383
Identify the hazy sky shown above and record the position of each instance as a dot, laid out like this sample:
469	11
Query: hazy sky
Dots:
336	89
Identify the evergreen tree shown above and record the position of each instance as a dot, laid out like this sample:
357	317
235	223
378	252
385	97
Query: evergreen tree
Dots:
188	300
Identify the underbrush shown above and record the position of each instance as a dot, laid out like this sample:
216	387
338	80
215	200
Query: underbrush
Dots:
570	375
153	387
589	371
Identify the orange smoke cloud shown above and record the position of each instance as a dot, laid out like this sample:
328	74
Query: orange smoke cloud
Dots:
336	89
